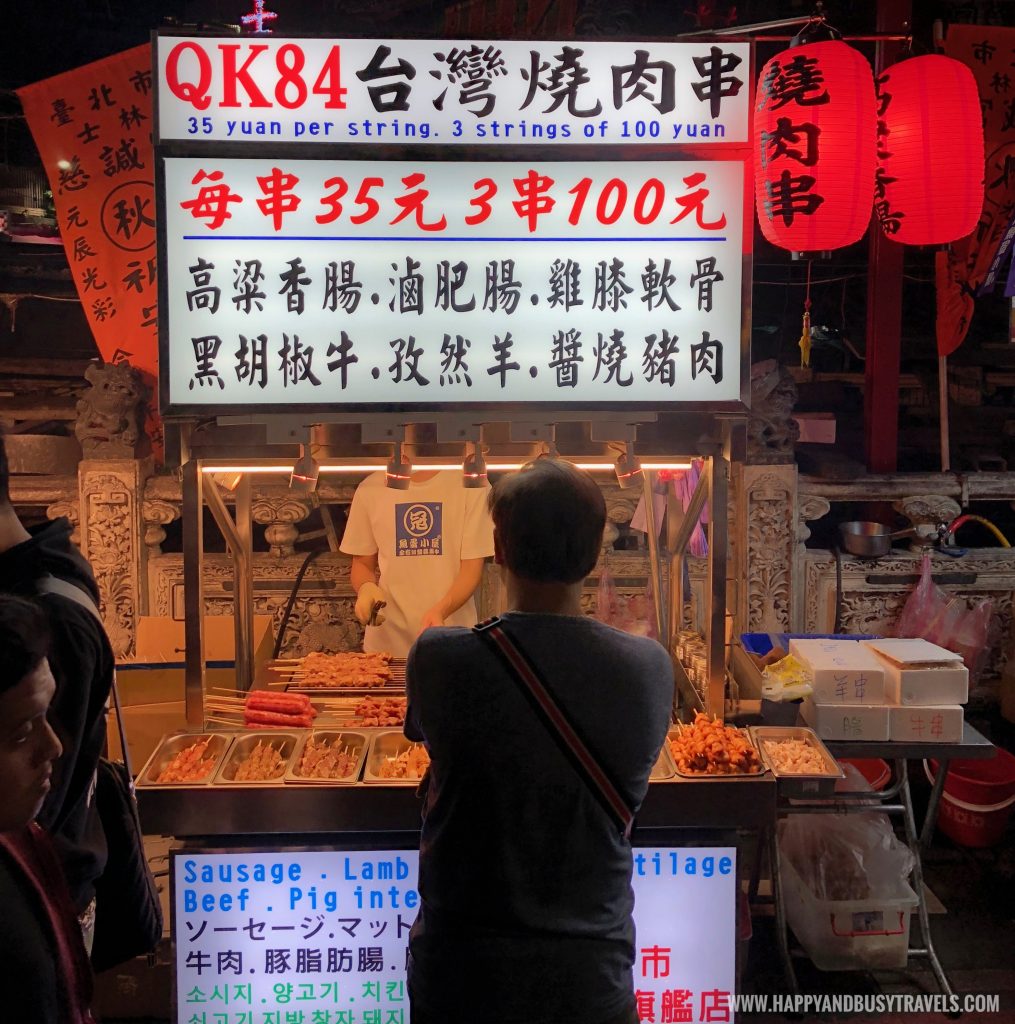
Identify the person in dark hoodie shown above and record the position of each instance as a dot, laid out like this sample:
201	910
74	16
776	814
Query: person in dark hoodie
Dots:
47	979
82	663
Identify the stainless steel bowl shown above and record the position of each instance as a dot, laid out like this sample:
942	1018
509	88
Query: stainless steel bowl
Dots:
868	540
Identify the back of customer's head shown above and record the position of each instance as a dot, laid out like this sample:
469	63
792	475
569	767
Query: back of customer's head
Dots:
28	745
548	520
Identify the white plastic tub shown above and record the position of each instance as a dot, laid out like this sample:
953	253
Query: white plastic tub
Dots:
848	935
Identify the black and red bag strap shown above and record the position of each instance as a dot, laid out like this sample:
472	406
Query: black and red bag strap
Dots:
557	723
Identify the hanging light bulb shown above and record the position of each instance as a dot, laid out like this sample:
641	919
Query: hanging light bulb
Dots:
628	467
305	473
474	467
399	470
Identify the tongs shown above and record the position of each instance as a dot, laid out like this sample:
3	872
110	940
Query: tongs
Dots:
374	610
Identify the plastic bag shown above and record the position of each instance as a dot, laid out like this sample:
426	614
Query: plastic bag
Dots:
634	613
606	597
966	631
787	679
923	606
847	857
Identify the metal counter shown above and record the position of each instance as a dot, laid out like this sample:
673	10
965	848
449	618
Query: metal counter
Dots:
723	804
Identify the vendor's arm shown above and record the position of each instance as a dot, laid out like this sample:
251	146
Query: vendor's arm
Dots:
363	570
464	586
363	576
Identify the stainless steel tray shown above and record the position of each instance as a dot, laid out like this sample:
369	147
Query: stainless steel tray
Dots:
243	746
170	746
663	768
798	783
384	746
675	731
355	740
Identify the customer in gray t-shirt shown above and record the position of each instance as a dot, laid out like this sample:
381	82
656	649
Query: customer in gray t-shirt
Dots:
525	880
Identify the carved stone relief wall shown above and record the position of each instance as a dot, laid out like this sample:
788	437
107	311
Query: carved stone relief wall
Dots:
768	506
279	512
872	600
322	617
110	538
72	510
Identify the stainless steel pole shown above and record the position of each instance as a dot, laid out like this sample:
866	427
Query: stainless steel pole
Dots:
718	540
655	567
243	561
193	592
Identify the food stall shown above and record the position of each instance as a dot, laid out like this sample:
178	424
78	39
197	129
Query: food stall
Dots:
360	237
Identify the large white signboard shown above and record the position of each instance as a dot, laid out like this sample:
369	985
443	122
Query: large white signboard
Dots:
321	937
344	283
425	91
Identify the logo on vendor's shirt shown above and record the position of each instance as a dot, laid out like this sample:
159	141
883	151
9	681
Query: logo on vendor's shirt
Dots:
418	528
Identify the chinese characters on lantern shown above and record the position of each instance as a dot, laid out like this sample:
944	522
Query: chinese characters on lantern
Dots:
314	937
309	282
814	142
506	92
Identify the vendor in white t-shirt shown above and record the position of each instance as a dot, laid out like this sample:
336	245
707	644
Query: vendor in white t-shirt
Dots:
421	551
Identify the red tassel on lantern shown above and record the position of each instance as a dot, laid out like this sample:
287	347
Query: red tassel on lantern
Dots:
929	184
814	147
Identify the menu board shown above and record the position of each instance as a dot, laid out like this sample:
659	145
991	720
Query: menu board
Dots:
321	937
451	92
405	283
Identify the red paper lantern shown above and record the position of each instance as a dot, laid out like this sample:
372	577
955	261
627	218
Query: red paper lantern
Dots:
929	183
814	147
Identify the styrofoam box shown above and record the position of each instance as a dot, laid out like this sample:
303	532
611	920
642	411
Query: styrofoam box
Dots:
920	673
842	671
925	724
847	721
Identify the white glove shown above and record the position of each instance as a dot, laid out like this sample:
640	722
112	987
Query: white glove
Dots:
369	595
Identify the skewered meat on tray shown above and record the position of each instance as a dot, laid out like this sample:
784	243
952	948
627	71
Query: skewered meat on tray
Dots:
268	709
379	711
347	669
410	764
326	760
189	765
263	763
707	747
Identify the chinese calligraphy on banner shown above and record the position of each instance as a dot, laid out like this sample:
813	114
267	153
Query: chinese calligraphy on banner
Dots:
303	282
92	127
964	266
313	937
422	91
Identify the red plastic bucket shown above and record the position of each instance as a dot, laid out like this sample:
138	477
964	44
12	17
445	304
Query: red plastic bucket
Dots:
977	799
873	769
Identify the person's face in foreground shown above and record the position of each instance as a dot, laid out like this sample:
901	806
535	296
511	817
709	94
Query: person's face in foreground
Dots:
28	747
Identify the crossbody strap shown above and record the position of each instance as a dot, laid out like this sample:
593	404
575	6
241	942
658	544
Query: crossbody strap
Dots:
558	725
50	584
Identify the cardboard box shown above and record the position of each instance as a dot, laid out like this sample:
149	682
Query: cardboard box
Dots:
921	674
152	684
145	725
157	670
847	721
925	724
815	427
842	671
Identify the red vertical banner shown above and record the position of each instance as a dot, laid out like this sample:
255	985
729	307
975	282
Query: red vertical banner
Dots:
988	51
93	129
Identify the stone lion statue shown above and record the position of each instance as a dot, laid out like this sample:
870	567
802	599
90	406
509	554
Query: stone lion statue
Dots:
110	412
771	432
